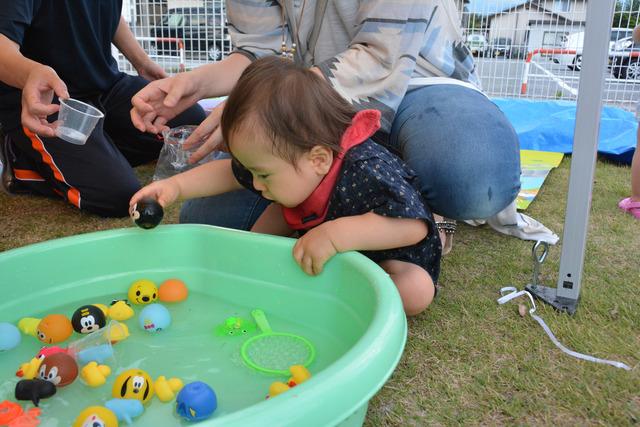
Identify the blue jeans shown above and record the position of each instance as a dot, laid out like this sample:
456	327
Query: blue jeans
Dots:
462	147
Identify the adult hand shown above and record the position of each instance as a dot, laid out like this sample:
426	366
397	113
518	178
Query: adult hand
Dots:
314	249
209	131
37	94
151	71
165	191
162	100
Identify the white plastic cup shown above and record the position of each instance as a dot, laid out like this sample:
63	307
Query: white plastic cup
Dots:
77	120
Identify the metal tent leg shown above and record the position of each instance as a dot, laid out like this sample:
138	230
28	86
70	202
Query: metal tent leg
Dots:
585	145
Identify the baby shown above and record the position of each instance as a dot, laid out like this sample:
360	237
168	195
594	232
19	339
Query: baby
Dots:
299	144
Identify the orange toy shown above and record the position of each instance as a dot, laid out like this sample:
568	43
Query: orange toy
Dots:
12	414
54	328
173	290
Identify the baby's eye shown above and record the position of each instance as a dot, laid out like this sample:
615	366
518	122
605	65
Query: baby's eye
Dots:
263	176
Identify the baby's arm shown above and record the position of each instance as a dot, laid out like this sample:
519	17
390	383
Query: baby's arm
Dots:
367	232
209	179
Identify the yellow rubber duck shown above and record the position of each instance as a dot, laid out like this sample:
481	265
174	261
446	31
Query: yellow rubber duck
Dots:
29	325
95	375
118	332
103	308
29	370
120	310
166	389
299	374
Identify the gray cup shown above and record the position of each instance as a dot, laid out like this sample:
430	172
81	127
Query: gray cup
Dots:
77	120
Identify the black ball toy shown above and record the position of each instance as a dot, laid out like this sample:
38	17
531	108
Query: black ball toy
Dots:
87	319
147	213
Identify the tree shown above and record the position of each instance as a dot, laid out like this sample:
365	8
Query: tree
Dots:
626	14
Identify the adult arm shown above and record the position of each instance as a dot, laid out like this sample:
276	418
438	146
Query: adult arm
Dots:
38	83
126	42
162	100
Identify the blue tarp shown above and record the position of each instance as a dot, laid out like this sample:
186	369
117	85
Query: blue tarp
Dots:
549	125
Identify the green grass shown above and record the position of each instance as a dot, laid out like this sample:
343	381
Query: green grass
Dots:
468	360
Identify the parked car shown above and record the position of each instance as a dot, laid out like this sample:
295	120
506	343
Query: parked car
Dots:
500	47
201	29
625	59
575	41
477	44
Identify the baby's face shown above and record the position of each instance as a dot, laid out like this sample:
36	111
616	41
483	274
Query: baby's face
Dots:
277	179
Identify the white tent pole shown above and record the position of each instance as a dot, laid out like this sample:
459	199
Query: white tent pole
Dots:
585	146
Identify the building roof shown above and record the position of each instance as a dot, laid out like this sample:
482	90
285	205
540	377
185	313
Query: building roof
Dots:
534	3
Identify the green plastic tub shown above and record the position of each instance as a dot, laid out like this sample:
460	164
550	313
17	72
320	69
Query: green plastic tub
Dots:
351	312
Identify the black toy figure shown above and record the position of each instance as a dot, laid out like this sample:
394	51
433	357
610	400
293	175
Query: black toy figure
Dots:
34	390
147	213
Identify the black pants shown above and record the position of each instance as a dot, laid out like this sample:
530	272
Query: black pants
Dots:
96	177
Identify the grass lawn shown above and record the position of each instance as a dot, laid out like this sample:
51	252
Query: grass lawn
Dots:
468	360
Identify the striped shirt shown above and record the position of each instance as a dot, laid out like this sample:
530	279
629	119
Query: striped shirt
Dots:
371	51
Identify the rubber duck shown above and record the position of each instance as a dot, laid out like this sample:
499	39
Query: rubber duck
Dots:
88	319
142	291
299	374
29	325
117	332
166	389
96	416
12	414
95	375
196	401
34	390
125	409
9	336
29	370
133	384
103	308
120	310
173	290
54	328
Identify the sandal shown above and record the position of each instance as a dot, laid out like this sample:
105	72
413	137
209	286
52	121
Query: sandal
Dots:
630	206
446	228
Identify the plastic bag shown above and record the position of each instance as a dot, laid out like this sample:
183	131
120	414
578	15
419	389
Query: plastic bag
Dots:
173	159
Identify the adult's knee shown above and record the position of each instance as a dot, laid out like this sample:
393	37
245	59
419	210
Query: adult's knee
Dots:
110	202
464	151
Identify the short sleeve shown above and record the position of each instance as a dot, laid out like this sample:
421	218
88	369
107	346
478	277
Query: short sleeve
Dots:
16	17
390	191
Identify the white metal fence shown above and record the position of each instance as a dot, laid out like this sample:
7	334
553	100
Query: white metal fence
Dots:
534	48
523	48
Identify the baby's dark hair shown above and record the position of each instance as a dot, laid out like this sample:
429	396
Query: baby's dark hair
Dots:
295	107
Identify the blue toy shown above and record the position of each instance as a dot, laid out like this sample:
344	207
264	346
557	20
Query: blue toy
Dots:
99	353
196	401
154	318
9	336
125	409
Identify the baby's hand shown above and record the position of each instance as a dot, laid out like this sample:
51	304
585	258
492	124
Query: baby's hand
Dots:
314	249
165	192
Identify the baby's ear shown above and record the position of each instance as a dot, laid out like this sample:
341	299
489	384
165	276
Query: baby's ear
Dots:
321	159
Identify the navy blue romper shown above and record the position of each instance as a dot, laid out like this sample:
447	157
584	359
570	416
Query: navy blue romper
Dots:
374	180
